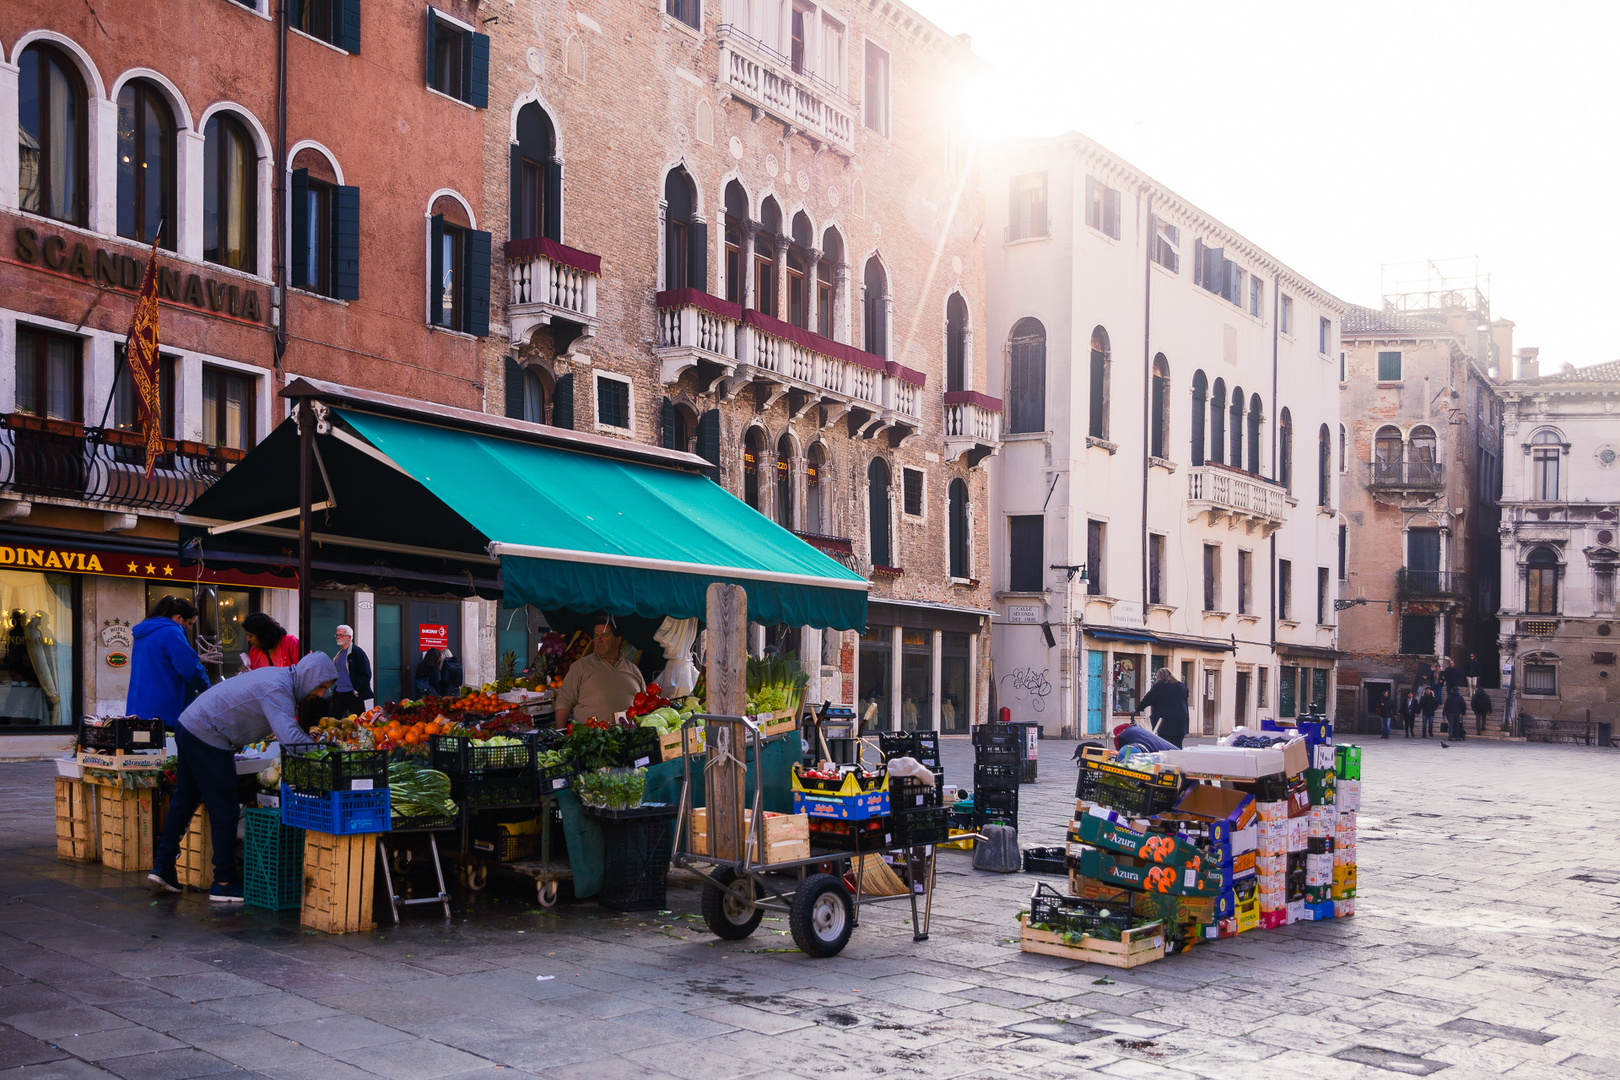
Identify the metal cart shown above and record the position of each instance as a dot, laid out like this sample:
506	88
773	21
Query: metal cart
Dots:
821	896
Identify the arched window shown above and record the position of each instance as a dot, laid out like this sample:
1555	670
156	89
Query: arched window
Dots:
1541	582
753	452
536	180
683	422
876	316
955	343
816	519
230	194
1285	450
784	483
680	203
1098	428
1424	467
1234	427
1026	377
1324	467
798	266
959	529
146	149
1256	415
1544	454
52	140
1217	422
1200	394
736	221
877	479
770	216
1389	451
827	270
1344	459
1159	415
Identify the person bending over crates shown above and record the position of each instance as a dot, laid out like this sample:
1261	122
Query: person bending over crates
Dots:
235	713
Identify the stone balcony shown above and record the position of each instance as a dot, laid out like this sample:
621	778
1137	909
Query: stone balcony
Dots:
758	76
1406	479
551	283
972	425
1239	497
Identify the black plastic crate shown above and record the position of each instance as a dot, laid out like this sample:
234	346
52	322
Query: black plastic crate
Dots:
400	823
1046	860
1074	914
840	835
1118	788
996	777
459	755
635	872
924	825
557	777
921	746
121	733
337	770
495	792
996	799
908	792
640	750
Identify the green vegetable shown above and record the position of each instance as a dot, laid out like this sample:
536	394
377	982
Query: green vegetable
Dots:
615	789
414	791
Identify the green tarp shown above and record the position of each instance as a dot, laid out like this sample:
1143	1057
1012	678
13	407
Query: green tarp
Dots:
591	532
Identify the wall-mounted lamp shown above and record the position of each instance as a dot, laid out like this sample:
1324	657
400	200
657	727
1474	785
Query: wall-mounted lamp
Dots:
1079	570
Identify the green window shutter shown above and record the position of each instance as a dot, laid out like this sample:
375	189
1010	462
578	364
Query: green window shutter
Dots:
295	12
436	270
432	20
514	191
552	229
349	31
562	405
300	255
346	243
476	67
708	439
514	389
697	255
669	424
475	283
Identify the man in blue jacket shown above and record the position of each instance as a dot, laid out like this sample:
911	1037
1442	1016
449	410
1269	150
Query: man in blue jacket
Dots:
164	672
238	712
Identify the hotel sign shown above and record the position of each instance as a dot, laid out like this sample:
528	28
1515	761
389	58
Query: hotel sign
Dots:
72	560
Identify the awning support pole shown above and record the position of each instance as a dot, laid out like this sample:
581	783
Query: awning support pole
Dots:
306	453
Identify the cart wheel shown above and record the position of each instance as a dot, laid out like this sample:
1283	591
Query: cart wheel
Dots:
729	917
546	893
822	916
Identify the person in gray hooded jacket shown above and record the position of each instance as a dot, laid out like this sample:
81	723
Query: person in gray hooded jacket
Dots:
235	713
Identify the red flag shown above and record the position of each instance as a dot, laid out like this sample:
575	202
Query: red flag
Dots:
141	349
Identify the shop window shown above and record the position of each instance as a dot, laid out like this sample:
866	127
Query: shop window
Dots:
876	674
1155	568
613	402
1212	577
48	374
1417	635
1200	397
457	60
913	494
1026	215
1541	582
327	612
1389	366
784	483
229	409
39	620
325	237
876	102
1545	452
1287	683
1027	553
1159	409
1541	680
146	169
1217	422
1100	364
1026	378
336	22
1127	675
916	679
958	509
458	295
689	12
517	636
536	179
955	343
230	194
953	683
53	149
877	478
1096	558
876	320
1285	590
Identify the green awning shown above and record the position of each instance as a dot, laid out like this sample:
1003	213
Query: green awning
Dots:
588	532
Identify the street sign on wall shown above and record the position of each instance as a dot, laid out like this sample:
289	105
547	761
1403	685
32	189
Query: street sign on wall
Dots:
433	636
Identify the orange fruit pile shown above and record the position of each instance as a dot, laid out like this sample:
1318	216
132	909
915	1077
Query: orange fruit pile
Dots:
479	701
394	734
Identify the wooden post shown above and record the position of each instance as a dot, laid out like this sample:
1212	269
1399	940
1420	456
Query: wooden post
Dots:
727	743
306	450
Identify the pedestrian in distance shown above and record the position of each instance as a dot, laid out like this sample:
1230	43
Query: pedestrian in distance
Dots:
353	687
426	678
1427	706
1408	712
269	644
450	675
1473	673
1482	709
1456	709
236	713
1166	706
1384	717
1451	676
164	671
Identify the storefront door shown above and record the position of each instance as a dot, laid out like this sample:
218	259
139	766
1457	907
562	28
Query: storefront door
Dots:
399	636
326	614
1240	708
953	682
916	680
877	658
1096	689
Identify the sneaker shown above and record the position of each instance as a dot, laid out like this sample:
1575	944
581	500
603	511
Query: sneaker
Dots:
163	877
225	893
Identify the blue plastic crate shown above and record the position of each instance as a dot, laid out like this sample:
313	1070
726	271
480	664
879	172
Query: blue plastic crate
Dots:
272	861
340	813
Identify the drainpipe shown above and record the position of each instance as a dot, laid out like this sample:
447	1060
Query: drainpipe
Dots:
1276	411
278	254
1147	390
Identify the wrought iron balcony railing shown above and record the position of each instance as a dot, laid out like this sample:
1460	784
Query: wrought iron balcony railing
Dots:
1433	583
1408	474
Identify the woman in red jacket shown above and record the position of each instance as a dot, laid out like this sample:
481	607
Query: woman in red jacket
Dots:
269	644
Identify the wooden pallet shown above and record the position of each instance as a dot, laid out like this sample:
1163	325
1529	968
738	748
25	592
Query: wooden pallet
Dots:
339	874
1137	946
124	821
787	836
76	824
195	866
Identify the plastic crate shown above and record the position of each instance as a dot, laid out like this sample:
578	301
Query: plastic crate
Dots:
913	828
402	823
272	861
1046	860
1138	794
1348	764
996	777
493	842
338	770
909	793
640	750
1074	914
921	746
557	777
868	835
339	813
121	733
458	755
635	870
496	792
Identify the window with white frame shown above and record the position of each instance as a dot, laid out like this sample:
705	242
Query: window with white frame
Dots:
1026	206
613	402
1285	316
1324	335
1102	207
689	12
876	89
1167	246
1541	680
1256	305
1389	365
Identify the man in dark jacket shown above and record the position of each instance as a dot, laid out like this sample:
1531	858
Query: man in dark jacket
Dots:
1166	706
353	688
1408	711
1427	705
1473	672
1482	709
1451	676
1456	709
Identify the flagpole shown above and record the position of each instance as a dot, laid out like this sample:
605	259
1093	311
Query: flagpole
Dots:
113	392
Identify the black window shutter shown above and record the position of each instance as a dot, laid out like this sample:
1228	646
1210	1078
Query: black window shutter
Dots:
708	437
300	229
514	190
436	270
432	19
562	403
552	229
697	255
349	33
475	283
514	389
477	58
346	243
669	425
1026	534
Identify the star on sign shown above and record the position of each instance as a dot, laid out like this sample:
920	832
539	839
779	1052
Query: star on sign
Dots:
133	568
168	571
150	569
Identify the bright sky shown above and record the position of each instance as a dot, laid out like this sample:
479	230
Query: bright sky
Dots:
1342	137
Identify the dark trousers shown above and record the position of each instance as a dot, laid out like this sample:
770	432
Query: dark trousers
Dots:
1407	722
1479	723
1428	724
346	703
206	776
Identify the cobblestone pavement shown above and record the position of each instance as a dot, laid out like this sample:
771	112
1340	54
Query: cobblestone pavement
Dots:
1486	945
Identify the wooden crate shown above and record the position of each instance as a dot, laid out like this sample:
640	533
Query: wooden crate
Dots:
780	723
669	745
1137	946
124	820
76	820
787	836
339	872
195	866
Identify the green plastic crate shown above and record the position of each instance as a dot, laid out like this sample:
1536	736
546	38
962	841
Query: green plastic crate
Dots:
272	861
1319	782
1348	763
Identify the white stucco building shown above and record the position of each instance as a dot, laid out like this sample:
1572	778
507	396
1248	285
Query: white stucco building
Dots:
1171	398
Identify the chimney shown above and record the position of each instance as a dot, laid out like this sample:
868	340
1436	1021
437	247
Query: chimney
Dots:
1458	322
1529	366
1502	346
